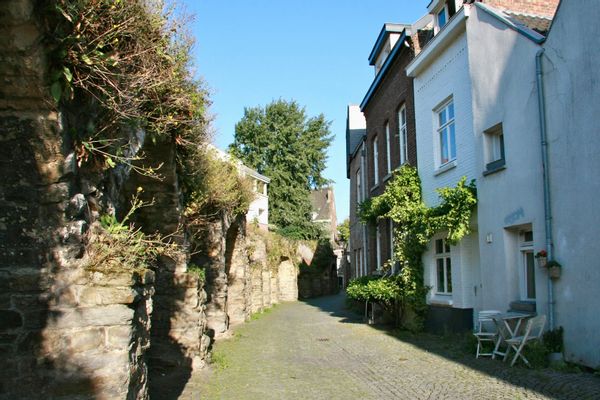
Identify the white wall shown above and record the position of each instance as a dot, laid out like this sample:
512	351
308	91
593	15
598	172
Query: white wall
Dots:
447	76
504	91
260	202
572	85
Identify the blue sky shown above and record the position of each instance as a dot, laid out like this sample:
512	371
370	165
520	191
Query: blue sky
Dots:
250	52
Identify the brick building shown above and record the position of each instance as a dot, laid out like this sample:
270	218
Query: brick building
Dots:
381	137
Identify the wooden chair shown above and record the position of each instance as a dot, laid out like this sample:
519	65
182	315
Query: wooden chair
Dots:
533	331
485	331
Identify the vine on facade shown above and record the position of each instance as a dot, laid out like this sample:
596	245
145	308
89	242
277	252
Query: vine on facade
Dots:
414	225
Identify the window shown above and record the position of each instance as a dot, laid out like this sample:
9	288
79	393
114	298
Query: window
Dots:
388	144
402	133
446	133
441	17
494	148
358	187
527	266
443	263
375	161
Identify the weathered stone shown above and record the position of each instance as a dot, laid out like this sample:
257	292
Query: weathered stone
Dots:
101	295
55	193
87	187
110	315
119	336
86	340
10	320
77	206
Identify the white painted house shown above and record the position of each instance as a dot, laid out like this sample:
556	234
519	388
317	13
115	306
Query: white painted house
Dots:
476	116
571	81
258	210
445	153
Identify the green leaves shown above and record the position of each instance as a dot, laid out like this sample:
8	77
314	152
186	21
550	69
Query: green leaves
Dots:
415	224
279	141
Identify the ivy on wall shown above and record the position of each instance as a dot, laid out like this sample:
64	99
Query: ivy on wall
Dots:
414	225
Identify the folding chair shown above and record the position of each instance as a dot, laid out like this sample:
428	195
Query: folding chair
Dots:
486	330
533	331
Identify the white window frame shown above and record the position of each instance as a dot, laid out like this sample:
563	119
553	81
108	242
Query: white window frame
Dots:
403	135
494	153
375	161
446	257
446	129
525	249
388	145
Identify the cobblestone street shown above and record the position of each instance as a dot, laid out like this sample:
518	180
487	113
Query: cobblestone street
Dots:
319	350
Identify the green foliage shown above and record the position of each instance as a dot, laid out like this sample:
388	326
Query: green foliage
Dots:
368	288
553	340
211	186
415	224
200	272
536	353
114	246
279	248
344	231
128	62
280	142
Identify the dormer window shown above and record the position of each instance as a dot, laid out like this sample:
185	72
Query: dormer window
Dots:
441	17
442	11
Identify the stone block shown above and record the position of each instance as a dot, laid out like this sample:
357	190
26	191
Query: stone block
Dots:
86	340
113	279
116	314
102	295
77	205
26	279
119	337
56	193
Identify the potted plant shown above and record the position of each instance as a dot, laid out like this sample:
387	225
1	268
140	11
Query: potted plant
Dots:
542	257
554	269
553	340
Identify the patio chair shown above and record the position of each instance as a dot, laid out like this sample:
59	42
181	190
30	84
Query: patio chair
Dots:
485	331
533	331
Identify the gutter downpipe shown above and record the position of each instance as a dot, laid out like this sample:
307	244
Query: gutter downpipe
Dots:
547	208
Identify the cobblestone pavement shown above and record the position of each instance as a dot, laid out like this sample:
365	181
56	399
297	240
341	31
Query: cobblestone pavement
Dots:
317	350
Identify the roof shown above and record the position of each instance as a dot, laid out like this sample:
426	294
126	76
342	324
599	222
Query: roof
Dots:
535	22
383	35
384	69
519	22
356	131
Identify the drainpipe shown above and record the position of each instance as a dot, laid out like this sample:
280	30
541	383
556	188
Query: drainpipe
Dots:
546	177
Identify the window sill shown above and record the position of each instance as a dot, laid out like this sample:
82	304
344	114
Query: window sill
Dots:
446	167
387	177
441	299
494	167
374	187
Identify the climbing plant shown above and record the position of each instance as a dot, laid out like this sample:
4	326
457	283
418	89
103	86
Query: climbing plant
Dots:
414	225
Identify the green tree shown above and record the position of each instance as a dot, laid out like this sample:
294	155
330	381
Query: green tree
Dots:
344	231
281	142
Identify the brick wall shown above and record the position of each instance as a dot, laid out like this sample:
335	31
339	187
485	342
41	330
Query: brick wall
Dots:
395	90
545	8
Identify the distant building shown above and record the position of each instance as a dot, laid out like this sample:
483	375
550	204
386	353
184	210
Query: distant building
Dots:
323	211
258	211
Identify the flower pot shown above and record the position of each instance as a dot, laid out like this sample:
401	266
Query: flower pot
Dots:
554	272
542	261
